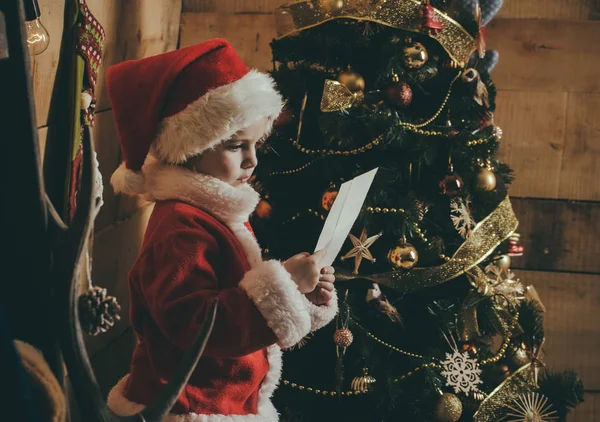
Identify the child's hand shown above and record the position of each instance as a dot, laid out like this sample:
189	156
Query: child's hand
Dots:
304	269
322	294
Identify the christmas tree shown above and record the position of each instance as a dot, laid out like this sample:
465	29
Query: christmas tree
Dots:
433	325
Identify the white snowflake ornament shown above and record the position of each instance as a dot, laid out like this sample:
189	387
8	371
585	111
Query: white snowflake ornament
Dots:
461	372
461	217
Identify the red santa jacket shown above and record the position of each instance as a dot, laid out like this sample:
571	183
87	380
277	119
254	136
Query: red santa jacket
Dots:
197	246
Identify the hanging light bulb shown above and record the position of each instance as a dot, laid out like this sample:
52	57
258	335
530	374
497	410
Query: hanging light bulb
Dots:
37	36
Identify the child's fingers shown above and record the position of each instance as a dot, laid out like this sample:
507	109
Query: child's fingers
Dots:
325	295
330	278
328	270
319	255
326	285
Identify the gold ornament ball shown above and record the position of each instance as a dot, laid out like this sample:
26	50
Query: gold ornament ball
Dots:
519	357
448	409
403	256
330	6
415	55
486	180
343	337
352	80
503	262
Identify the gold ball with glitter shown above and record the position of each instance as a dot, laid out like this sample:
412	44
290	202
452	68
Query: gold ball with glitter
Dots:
414	55
485	180
331	6
448	408
343	337
403	255
502	262
352	80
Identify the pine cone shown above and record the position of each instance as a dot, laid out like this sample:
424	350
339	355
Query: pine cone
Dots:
97	311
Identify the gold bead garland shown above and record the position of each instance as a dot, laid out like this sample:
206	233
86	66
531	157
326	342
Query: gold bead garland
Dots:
505	343
277	173
376	210
322	392
477	142
437	113
417	369
309	211
424	132
404	352
355	151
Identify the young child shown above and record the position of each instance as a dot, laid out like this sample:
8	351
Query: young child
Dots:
189	123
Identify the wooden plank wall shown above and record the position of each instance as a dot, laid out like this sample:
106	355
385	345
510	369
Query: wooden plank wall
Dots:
548	101
134	29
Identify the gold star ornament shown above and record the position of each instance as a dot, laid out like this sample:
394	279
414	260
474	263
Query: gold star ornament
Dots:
361	248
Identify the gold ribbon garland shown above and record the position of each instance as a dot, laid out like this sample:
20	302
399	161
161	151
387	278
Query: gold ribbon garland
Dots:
401	14
493	408
487	235
337	97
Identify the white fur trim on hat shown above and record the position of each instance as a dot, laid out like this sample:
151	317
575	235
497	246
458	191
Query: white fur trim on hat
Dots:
217	116
127	181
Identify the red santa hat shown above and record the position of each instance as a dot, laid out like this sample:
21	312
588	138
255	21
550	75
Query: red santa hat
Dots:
180	103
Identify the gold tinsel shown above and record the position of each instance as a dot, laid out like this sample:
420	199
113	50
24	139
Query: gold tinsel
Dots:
487	235
493	408
401	14
337	96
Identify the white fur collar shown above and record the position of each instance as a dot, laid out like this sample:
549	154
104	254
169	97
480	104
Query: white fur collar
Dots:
232	205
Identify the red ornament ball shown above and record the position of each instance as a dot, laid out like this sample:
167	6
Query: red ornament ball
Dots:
399	94
451	185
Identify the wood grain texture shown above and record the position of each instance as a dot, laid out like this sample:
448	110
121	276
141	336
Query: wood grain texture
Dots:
554	9
588	411
558	235
572	304
533	141
546	55
249	34
232	6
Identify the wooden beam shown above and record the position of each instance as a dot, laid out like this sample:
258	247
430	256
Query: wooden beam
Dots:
588	411
555	9
558	235
232	6
580	166
533	141
546	55
249	34
570	321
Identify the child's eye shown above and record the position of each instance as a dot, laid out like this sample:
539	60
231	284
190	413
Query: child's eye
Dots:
234	147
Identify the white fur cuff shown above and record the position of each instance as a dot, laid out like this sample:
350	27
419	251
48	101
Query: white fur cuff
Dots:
280	302
322	315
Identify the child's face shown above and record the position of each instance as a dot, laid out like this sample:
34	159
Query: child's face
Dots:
233	161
